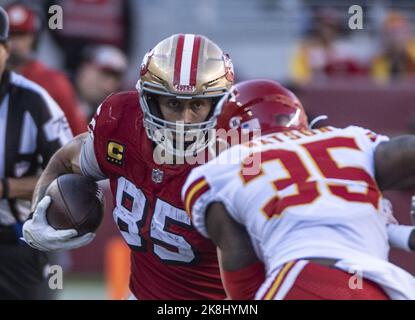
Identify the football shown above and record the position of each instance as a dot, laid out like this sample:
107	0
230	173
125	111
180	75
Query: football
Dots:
77	203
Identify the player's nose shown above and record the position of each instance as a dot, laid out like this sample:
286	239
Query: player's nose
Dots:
188	115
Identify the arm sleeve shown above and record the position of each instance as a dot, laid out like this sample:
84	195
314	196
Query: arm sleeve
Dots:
372	139
88	161
104	126
399	236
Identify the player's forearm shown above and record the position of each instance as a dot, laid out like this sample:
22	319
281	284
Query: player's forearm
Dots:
55	168
401	237
230	237
64	161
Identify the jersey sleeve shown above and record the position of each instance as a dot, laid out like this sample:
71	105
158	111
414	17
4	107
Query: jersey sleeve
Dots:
212	182
371	139
97	151
88	161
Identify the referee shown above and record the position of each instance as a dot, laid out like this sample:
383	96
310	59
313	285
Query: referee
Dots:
32	129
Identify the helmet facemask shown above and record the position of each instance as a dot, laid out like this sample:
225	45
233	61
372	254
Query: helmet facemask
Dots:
177	138
183	67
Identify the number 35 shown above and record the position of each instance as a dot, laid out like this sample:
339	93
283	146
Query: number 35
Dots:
299	175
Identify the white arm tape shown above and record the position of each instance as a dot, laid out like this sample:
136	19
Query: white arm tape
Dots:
399	236
88	161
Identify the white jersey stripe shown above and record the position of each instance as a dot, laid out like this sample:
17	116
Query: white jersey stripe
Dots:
4	107
186	59
28	138
5	217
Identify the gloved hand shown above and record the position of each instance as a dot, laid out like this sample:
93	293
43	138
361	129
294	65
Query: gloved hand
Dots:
40	235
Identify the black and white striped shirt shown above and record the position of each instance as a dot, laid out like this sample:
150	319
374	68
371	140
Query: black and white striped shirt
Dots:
32	129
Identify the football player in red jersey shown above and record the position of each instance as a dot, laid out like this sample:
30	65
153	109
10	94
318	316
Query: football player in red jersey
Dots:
181	80
310	225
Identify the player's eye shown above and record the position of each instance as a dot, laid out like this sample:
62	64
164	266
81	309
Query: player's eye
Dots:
173	104
197	105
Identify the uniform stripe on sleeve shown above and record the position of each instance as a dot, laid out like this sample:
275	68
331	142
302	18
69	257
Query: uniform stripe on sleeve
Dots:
372	136
195	190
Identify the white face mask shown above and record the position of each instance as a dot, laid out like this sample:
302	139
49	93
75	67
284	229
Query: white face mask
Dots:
178	138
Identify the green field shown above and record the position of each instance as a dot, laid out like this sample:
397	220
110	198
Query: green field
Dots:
83	287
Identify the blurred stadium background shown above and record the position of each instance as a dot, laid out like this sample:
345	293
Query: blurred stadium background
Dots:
362	77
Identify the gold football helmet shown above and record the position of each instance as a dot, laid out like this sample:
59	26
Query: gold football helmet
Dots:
183	66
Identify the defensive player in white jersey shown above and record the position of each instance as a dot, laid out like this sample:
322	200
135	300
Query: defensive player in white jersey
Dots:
296	212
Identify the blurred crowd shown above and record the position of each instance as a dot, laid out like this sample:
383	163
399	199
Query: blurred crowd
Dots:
93	49
328	52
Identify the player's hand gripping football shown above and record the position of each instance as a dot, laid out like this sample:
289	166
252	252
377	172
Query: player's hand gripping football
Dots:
40	235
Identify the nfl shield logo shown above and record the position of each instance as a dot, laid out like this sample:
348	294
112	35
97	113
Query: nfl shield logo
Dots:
157	176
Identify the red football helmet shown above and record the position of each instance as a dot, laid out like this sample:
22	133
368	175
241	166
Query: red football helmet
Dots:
261	105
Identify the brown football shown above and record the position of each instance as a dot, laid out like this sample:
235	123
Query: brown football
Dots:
77	203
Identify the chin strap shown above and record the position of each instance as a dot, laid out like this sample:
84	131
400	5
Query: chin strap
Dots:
317	119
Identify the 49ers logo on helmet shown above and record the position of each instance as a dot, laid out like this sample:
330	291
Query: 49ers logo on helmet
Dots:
229	73
145	63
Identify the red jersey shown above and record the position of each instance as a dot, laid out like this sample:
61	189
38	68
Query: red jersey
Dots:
169	258
60	89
